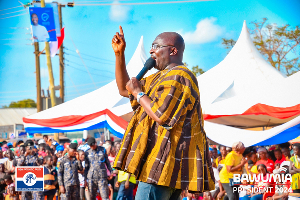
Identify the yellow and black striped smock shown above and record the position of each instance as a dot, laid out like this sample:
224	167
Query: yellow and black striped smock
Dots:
175	154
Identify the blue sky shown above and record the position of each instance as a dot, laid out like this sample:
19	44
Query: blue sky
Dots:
91	28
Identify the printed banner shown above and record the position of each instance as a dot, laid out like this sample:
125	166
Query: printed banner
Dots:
29	178
43	26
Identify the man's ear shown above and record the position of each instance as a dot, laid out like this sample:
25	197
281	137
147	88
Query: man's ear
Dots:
174	51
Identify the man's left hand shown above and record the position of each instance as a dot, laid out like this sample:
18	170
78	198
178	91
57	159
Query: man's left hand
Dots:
134	86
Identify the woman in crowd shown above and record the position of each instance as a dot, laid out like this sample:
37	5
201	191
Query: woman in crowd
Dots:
233	165
221	159
262	169
262	152
294	169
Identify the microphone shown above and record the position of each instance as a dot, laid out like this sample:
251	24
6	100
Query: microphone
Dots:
149	64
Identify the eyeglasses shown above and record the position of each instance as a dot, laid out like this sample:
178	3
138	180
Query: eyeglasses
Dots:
156	46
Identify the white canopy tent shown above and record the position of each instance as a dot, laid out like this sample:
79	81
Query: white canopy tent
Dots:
242	80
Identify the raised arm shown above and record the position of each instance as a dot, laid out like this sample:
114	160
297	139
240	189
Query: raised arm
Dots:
118	45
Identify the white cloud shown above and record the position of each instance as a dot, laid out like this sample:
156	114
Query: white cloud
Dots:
119	13
206	31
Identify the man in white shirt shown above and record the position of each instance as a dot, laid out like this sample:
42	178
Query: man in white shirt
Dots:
39	33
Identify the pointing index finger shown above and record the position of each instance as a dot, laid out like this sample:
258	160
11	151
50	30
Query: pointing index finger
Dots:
121	30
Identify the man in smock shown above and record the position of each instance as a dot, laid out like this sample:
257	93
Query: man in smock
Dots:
165	145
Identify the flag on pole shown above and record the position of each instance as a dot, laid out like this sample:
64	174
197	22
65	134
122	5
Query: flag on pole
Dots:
54	46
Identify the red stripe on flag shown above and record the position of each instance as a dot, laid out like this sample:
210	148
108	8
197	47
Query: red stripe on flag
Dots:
38	171
61	38
76	119
262	109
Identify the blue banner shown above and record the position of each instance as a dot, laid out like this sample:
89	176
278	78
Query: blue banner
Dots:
43	26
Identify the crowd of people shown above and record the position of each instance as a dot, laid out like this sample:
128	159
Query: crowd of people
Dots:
275	159
83	170
76	170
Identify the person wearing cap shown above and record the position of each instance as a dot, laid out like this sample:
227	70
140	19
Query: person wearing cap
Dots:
262	152
233	164
68	174
96	162
29	159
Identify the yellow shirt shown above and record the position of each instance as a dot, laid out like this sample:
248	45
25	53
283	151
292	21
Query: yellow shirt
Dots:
232	159
122	176
221	162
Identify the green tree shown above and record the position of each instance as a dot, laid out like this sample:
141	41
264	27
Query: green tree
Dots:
25	103
196	70
278	44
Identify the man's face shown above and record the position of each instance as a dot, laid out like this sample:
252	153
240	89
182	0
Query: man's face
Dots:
71	152
45	138
278	155
161	54
35	19
118	146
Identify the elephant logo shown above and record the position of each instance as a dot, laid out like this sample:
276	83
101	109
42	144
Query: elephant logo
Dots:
29	179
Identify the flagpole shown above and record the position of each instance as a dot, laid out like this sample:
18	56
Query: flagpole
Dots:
51	78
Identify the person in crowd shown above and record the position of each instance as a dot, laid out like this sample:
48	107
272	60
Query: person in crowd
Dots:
59	154
233	164
8	164
228	149
81	158
96	163
22	151
163	111
294	169
48	151
126	183
29	159
2	171
279	156
221	159
253	169
262	169
2	159
50	179
2	186
281	189
10	192
47	140
264	160
207	195
244	189
286	152
68	174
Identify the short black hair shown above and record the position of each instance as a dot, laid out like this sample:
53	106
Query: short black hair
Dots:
47	157
296	145
80	151
45	136
7	177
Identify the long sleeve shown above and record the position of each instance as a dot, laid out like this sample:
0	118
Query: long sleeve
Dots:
107	162
80	168
87	165
60	173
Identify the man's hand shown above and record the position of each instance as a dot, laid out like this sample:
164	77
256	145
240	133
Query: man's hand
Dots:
244	160
126	185
110	177
134	86
117	184
118	42
62	189
85	183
